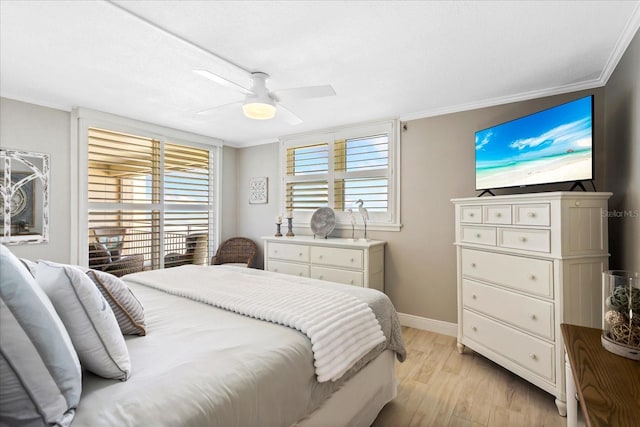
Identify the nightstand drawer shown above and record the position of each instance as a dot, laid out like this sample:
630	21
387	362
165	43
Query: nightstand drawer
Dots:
497	214
479	235
525	350
336	275
531	314
527	239
472	214
289	252
347	258
534	214
289	268
526	274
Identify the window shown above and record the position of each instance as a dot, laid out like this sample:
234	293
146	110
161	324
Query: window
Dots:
149	200
337	168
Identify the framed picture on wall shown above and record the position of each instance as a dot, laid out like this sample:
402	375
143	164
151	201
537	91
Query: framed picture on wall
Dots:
258	190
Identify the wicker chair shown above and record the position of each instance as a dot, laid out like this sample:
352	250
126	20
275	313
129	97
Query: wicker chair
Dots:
105	253
197	246
236	250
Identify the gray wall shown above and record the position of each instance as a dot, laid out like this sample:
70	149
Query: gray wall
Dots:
257	220
228	203
33	128
623	159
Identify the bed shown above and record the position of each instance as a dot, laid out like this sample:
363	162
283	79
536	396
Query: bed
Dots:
202	365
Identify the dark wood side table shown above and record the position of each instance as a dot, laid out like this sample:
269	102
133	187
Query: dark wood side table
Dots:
608	385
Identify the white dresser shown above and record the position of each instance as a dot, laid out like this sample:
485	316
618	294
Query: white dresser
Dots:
527	263
353	262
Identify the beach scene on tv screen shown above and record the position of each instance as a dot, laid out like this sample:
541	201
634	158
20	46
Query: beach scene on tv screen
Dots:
553	145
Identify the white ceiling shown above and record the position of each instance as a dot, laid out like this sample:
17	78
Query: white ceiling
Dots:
385	59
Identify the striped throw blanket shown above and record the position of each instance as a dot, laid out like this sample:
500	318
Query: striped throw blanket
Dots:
341	327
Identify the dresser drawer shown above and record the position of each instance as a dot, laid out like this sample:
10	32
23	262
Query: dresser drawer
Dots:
525	350
497	214
289	252
527	239
527	313
471	214
347	258
288	268
347	277
479	235
517	272
533	214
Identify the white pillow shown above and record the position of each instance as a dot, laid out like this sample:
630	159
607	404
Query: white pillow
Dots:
89	319
126	307
41	380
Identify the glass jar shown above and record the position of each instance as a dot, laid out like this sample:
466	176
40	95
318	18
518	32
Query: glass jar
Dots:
621	313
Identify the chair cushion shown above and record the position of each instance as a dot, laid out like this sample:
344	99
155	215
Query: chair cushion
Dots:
40	381
98	254
126	307
92	326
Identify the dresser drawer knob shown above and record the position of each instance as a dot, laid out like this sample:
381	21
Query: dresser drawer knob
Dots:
474	329
473	265
300	274
351	282
275	251
300	254
352	260
474	296
498	215
478	235
531	215
533	277
523	239
320	277
532	316
471	215
578	203
533	356
275	270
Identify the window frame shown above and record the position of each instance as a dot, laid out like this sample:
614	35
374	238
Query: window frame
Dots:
81	120
389	221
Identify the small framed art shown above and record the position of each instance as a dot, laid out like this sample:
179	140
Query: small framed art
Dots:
258	190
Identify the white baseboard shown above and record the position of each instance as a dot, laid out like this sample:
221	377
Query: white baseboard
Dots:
432	325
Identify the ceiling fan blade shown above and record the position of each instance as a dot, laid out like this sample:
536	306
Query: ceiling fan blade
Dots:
304	92
288	116
214	110
222	81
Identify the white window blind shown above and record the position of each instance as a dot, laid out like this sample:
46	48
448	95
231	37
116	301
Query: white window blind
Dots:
336	169
156	195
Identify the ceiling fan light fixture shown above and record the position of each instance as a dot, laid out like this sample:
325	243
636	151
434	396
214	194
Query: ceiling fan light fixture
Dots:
259	109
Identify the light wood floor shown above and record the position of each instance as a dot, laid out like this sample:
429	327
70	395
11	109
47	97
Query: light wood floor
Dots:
440	387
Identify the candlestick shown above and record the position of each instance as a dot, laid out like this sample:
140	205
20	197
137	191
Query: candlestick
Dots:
290	226
278	233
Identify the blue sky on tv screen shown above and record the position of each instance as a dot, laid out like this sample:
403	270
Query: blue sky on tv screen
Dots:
559	130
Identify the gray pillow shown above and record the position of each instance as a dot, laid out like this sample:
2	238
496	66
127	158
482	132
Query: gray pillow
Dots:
126	307
41	377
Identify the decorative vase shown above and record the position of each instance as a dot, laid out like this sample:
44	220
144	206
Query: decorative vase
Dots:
621	313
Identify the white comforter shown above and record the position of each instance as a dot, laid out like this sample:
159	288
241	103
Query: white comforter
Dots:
203	366
341	327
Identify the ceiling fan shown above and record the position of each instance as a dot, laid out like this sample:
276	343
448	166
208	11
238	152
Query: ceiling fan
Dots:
260	103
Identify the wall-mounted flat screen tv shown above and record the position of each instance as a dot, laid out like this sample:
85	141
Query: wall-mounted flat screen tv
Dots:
550	146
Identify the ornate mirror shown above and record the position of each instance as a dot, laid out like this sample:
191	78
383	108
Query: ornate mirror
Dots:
24	197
